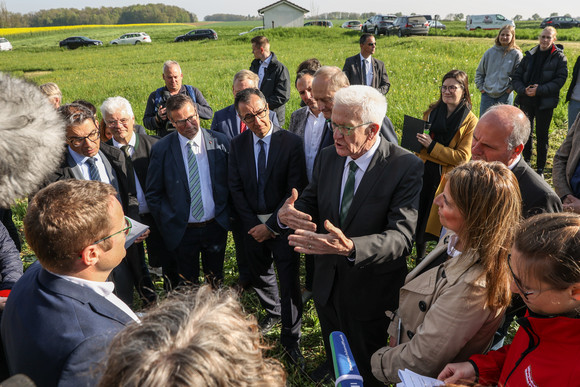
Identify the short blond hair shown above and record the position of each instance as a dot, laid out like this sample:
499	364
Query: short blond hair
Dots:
243	75
196	338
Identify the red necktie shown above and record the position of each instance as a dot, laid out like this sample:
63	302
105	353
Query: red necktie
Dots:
243	127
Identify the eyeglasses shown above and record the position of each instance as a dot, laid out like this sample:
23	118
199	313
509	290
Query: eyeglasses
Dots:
182	123
451	89
78	141
518	283
126	230
123	121
251	117
346	130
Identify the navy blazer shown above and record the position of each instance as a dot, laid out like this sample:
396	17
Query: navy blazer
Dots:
56	332
224	121
167	191
285	169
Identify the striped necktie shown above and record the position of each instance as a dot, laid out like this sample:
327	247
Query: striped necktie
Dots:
194	183
93	169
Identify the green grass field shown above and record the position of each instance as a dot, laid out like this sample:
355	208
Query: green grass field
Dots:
415	67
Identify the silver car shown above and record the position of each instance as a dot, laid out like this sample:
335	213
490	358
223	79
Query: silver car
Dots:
132	38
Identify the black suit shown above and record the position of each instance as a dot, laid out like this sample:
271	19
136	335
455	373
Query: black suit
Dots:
352	296
537	196
285	169
275	86
352	69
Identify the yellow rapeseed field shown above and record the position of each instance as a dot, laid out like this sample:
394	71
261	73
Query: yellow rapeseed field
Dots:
25	30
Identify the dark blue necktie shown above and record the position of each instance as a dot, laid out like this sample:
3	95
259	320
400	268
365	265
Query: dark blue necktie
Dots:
261	177
93	169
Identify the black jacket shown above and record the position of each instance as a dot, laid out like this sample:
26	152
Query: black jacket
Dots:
275	86
552	78
574	79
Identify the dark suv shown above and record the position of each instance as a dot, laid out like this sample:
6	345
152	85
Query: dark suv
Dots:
560	22
197	35
379	24
411	25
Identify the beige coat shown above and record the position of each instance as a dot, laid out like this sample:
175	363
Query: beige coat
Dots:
441	318
456	153
566	160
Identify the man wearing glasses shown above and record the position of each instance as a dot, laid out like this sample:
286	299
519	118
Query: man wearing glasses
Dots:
62	314
358	216
364	69
187	193
86	158
266	162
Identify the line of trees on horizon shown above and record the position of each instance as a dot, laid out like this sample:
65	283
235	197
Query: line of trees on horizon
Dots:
148	13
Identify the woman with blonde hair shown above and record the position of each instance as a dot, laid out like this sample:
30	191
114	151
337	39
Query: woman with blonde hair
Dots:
453	301
545	272
493	75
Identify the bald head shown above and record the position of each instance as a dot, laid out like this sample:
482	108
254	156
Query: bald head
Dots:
500	134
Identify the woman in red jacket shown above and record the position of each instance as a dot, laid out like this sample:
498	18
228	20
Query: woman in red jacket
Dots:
545	267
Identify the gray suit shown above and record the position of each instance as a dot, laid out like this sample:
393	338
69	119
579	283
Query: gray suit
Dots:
566	160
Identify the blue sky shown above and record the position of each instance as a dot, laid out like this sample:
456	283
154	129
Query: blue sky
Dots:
202	8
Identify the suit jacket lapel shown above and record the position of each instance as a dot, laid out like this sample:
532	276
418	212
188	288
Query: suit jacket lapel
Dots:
375	70
273	152
369	180
178	160
210	147
336	169
110	172
302	118
74	167
232	122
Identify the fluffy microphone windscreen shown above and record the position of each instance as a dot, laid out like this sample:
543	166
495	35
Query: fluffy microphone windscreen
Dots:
32	139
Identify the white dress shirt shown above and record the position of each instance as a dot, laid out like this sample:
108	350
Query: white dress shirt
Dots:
82	162
312	136
262	70
200	153
143	208
362	163
369	64
267	139
103	289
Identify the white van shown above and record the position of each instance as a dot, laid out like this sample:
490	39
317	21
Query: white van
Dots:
492	21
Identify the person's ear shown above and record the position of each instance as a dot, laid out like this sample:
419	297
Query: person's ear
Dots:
374	129
90	255
575	291
519	149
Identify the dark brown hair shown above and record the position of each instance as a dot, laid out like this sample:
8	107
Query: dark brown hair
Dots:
463	79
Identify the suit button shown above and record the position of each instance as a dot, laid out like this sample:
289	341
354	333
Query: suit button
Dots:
410	334
422	306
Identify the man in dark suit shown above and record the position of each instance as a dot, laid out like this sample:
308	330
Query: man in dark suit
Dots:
358	215
86	158
62	314
500	135
274	76
228	122
327	81
119	119
187	192
265	163
363	69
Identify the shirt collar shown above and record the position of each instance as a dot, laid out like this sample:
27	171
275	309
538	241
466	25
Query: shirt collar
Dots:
312	114
368	60
80	159
267	138
183	141
364	160
132	141
102	288
515	162
266	62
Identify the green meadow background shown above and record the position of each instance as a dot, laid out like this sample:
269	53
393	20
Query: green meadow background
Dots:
415	67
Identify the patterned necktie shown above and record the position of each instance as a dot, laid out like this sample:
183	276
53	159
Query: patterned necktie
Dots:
348	192
130	169
261	177
364	72
194	183
243	127
93	170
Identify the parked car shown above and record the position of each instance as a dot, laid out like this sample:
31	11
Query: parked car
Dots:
5	45
79	41
352	25
132	38
197	35
560	22
490	21
320	23
411	25
436	24
252	30
379	24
